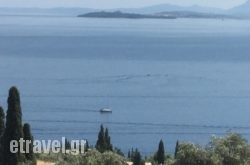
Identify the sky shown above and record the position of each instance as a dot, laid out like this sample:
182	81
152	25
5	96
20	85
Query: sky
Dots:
105	4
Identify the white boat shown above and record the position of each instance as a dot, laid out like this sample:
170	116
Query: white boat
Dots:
105	110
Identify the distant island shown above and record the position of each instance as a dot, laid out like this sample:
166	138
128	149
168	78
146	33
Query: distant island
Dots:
119	14
160	15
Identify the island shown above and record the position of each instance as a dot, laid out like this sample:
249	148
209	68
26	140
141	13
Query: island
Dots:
119	14
160	15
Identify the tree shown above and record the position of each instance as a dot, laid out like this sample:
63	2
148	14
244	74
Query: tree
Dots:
2	128
103	142
231	150
28	136
67	144
176	149
118	151
2	119
14	128
108	146
190	154
136	157
93	157
160	155
86	148
129	155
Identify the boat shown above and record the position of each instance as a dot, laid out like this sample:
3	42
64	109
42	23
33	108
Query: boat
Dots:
105	110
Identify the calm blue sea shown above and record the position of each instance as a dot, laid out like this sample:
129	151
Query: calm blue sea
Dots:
184	79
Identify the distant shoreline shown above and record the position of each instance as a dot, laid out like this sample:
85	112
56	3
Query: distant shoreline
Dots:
161	15
118	14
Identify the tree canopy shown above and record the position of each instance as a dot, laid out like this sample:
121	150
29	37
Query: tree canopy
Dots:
160	155
104	141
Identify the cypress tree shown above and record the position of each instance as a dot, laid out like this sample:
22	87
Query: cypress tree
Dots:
67	144
108	144
86	148
14	129
2	128
28	136
160	156
136	157
101	140
176	149
129	155
2	117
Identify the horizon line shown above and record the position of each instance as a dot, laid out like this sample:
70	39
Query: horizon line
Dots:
115	8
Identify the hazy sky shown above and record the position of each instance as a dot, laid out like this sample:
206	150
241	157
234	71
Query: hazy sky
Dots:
116	3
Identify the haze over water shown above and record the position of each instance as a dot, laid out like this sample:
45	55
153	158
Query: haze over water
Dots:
183	79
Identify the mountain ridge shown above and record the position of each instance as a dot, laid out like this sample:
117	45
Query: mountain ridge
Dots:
77	11
243	9
169	7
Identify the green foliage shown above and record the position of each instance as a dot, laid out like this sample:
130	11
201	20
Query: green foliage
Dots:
129	155
14	128
67	144
231	150
93	157
27	163
119	151
100	144
2	128
51	157
176	149
190	154
2	121
160	155
136	157
28	136
86	148
103	142
108	144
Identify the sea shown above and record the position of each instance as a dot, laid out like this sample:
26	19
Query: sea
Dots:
181	79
